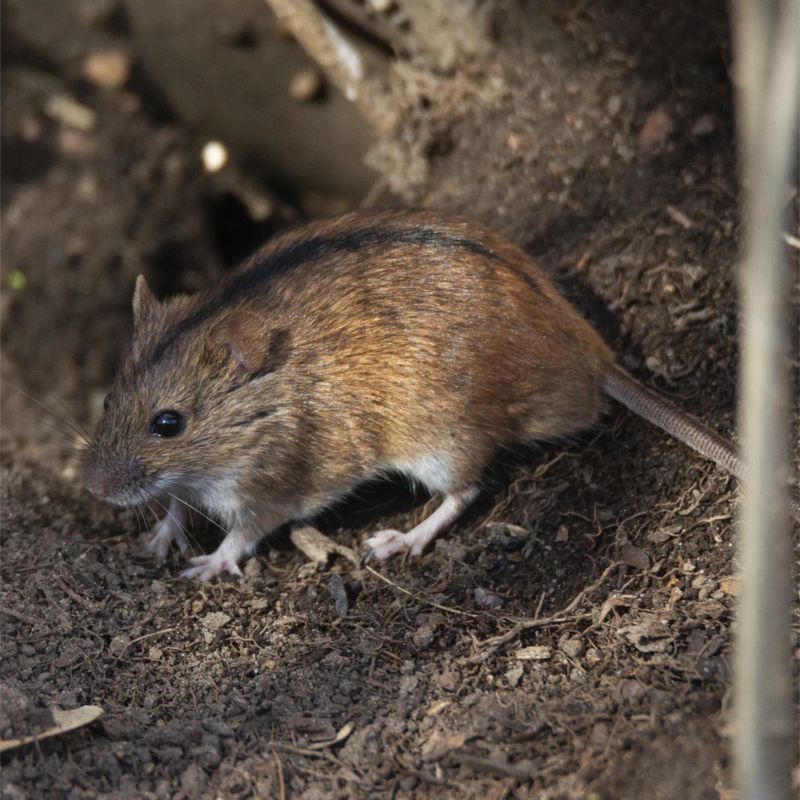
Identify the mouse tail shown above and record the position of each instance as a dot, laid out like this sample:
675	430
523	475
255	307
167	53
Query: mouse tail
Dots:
650	405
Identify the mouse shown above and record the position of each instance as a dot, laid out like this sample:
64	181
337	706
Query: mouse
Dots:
362	345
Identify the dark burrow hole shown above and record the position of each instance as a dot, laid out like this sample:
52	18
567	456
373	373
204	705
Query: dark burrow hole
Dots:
234	232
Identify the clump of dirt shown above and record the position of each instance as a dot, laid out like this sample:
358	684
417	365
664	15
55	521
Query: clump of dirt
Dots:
571	637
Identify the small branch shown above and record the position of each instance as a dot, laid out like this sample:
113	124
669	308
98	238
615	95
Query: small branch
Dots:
792	241
146	636
339	59
565	615
18	615
420	598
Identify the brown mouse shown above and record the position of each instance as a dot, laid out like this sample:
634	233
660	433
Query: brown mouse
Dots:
369	343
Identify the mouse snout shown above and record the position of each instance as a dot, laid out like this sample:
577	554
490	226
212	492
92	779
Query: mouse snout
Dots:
99	480
110	480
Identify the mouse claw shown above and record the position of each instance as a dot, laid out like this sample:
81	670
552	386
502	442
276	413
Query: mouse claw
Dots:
385	544
204	568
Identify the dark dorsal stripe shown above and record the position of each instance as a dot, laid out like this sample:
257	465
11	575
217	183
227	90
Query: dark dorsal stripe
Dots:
257	277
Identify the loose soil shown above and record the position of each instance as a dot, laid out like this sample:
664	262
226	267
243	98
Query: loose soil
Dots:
572	636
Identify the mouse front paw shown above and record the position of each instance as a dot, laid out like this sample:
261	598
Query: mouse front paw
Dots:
167	532
385	544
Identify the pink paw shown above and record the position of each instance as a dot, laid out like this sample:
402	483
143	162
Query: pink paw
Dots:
385	544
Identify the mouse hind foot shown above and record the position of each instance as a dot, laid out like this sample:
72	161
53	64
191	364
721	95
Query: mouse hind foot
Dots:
384	544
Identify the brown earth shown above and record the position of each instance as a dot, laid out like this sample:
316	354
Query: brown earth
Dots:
572	637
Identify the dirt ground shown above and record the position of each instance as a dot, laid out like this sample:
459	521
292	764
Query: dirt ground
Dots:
571	638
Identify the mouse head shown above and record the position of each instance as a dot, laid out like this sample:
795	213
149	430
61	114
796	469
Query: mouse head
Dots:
201	382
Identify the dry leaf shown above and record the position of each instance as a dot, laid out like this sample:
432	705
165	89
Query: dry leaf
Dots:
437	708
536	652
651	636
635	557
65	721
709	608
343	733
440	744
319	548
612	602
215	620
317	730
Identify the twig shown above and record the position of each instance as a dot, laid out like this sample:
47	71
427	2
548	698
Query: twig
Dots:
792	241
421	598
281	782
342	62
523	771
146	636
493	644
73	595
10	612
676	215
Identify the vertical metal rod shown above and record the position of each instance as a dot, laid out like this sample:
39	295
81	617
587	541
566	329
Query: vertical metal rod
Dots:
767	39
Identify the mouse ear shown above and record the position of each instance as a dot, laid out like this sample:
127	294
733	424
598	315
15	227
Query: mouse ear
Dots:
244	336
145	305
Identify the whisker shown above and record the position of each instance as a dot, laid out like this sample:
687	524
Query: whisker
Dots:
62	438
85	438
140	518
147	507
193	543
75	421
149	512
166	512
198	511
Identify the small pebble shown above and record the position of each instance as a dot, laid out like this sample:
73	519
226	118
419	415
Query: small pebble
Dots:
572	647
108	69
339	594
634	556
486	599
193	780
593	656
599	736
704	126
215	620
514	675
614	105
214	156
656	130
68	111
118	645
305	85
253	568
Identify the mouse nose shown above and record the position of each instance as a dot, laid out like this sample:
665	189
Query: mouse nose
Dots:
98	480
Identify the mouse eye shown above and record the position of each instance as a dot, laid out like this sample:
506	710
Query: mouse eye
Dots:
167	424
107	402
